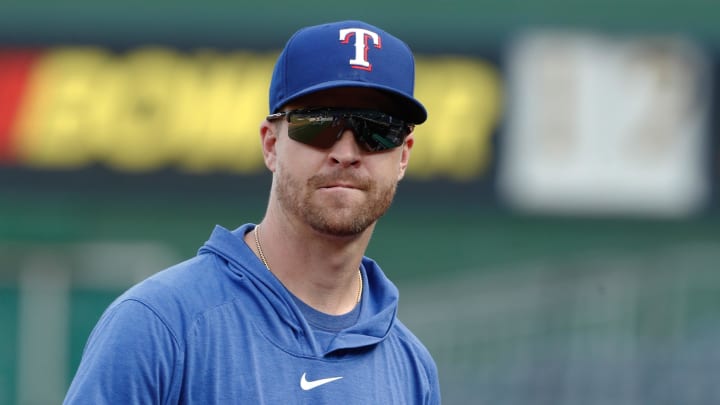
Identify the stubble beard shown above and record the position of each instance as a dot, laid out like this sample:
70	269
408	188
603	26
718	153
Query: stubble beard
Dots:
337	217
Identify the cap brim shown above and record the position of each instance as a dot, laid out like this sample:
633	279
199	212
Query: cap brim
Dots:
408	108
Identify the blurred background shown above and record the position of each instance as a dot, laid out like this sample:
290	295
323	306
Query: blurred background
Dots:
557	238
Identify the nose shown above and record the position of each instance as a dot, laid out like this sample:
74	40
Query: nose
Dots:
346	152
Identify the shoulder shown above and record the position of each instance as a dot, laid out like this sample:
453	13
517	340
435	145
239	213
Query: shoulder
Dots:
414	345
420	361
179	294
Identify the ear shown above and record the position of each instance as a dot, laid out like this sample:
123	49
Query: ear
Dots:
405	156
268	138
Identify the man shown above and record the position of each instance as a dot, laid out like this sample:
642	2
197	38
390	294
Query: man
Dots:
288	311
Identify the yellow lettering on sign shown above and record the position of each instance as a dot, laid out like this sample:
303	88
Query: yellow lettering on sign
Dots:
463	99
155	107
138	137
232	89
53	130
189	111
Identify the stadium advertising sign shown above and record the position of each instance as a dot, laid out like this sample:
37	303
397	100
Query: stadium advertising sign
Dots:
155	107
607	125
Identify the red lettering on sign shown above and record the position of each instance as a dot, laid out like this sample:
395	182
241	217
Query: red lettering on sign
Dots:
15	68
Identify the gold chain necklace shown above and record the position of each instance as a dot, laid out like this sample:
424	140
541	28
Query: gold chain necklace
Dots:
262	257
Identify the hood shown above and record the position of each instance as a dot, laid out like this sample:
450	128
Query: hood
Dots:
274	310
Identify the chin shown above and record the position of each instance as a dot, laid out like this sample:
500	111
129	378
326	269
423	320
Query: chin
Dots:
341	225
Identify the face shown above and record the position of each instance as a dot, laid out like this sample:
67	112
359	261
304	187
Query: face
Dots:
340	191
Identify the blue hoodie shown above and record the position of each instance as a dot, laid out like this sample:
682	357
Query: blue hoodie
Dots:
221	329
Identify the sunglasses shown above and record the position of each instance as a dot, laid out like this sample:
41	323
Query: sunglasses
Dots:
374	131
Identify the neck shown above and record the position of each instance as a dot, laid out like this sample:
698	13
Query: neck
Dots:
320	270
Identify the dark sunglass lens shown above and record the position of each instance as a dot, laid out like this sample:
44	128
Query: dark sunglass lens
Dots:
385	142
313	131
374	131
377	136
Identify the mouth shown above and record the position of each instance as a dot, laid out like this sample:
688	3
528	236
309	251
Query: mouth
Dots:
340	185
340	182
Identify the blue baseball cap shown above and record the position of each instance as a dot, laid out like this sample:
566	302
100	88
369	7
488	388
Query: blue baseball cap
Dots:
346	54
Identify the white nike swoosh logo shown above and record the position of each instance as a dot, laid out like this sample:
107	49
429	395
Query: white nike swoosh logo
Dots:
308	385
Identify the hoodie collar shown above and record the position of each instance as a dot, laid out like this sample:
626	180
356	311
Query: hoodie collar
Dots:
282	321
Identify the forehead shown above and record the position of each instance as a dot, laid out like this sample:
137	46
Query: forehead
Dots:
346	97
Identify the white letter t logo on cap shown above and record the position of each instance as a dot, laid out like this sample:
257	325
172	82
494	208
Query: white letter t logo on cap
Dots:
361	45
